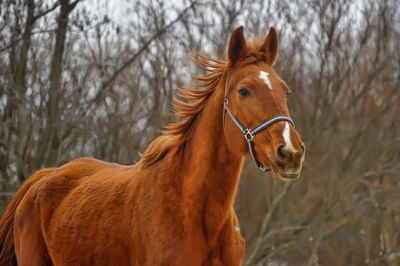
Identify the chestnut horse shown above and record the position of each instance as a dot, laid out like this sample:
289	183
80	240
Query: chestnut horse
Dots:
175	206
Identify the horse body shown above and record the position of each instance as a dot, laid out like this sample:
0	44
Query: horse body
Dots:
93	220
174	213
175	207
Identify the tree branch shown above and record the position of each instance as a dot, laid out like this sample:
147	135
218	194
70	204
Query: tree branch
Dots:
252	257
141	50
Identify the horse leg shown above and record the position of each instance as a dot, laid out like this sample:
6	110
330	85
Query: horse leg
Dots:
231	243
30	246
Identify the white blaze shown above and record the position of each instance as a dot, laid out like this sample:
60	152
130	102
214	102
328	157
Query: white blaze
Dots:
286	137
264	76
237	228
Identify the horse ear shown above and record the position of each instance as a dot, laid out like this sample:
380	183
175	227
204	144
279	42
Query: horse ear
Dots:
271	47
237	46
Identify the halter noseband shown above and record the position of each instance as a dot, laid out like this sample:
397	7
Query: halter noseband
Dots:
250	133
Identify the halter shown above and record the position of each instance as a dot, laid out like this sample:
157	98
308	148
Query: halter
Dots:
250	133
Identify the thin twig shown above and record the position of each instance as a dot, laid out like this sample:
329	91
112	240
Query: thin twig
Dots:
141	50
252	258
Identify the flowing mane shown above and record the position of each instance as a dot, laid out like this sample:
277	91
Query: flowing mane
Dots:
187	105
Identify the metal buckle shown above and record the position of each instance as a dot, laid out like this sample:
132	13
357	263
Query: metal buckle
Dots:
263	168
248	135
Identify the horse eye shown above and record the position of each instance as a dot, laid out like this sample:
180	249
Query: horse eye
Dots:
288	93
244	92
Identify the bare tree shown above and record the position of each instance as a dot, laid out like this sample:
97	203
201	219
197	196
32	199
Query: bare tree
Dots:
75	82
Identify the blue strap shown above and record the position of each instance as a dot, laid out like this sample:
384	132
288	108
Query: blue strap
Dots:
270	122
238	124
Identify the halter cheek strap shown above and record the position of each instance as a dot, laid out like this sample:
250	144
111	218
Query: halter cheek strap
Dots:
250	133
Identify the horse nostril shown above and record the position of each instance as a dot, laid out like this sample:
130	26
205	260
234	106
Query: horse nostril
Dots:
282	154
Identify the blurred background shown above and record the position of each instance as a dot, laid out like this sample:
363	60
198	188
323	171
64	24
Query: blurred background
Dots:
96	78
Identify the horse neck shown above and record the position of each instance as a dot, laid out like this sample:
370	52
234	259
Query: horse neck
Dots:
211	170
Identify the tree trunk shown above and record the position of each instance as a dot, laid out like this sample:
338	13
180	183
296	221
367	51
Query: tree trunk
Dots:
53	105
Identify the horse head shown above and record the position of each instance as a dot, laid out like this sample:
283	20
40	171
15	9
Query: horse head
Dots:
255	100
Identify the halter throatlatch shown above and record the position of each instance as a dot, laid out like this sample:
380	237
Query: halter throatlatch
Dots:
250	133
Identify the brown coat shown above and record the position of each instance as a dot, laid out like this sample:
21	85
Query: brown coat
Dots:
175	206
